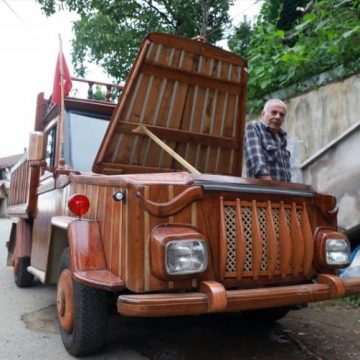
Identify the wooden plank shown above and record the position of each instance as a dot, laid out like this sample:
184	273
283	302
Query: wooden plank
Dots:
190	78
256	241
271	241
308	241
197	48
173	113
223	240
240	241
297	242
182	161
123	100
284	242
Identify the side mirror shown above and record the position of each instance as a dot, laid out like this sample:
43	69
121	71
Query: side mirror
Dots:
36	146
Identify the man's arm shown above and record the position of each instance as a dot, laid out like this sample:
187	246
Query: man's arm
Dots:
254	153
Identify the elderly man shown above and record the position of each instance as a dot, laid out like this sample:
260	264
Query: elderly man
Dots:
265	144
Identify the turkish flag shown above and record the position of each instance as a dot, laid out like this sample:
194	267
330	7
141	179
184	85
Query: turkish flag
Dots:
61	67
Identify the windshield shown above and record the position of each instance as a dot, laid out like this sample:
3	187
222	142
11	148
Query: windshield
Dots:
83	136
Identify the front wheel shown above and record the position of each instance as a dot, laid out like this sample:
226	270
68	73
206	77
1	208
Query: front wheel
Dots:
82	311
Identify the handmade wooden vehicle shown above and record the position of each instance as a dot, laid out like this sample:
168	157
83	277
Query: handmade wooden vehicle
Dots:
145	235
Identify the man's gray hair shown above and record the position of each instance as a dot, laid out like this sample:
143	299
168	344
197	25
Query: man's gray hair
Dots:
274	101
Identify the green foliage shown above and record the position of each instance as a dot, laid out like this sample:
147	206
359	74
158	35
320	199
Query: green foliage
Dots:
109	32
239	43
353	300
317	43
99	93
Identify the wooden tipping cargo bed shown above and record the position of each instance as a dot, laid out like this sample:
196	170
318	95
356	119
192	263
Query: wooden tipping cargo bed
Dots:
188	93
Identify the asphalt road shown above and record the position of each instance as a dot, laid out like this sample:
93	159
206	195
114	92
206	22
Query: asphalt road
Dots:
29	330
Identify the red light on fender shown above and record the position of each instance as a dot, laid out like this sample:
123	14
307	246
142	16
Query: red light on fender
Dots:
78	204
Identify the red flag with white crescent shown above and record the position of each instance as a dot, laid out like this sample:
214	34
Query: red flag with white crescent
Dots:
61	67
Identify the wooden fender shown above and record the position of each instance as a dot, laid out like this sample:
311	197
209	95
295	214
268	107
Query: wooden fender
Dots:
19	244
87	257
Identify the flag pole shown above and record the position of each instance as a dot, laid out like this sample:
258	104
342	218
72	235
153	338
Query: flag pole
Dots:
62	107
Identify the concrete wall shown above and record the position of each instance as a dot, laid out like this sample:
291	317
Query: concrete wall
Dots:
316	118
314	121
337	170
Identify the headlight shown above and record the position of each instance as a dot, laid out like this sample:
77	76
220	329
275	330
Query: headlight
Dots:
185	257
178	251
332	249
337	251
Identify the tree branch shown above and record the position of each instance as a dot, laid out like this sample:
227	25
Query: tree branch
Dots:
157	10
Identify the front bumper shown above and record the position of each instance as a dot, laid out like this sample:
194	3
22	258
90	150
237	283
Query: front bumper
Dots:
213	297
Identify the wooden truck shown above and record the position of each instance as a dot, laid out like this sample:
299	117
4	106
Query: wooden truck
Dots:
141	205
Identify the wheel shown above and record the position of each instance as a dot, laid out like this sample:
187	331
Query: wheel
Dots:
22	277
266	316
82	311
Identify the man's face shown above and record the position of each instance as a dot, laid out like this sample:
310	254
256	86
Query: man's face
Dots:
273	116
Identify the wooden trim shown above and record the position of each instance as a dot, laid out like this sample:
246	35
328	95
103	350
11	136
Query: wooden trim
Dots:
87	254
237	300
223	240
173	206
297	242
284	242
272	251
240	241
182	135
216	294
18	211
188	77
337	287
102	279
197	47
62	222
123	99
144	131
256	241
308	242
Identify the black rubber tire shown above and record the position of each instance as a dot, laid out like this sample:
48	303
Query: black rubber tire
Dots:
90	317
266	316
22	277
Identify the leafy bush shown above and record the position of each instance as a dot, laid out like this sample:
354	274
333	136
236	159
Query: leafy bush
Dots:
327	36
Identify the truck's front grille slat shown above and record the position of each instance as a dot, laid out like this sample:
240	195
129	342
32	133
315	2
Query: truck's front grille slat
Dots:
264	239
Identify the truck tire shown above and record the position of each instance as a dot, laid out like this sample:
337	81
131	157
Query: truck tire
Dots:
22	277
266	316
82	311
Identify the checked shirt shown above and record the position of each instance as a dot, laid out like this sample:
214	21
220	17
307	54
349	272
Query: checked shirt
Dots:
264	154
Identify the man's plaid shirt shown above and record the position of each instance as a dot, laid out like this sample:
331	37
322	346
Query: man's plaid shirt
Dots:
264	154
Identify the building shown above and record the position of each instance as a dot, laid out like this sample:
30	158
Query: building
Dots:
6	163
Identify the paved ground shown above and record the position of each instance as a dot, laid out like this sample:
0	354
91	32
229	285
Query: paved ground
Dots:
29	331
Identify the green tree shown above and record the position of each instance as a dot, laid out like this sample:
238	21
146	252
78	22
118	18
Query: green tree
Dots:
316	43
239	42
109	32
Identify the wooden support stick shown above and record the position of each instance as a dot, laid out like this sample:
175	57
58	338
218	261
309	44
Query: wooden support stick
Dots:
143	130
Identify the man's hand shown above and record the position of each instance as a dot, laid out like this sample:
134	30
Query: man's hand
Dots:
265	177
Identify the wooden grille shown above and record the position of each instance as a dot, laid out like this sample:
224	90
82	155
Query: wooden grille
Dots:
265	239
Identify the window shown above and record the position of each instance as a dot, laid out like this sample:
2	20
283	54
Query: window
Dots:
50	147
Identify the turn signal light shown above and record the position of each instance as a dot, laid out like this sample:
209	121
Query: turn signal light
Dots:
78	204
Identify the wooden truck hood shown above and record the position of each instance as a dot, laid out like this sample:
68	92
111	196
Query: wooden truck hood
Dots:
188	93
